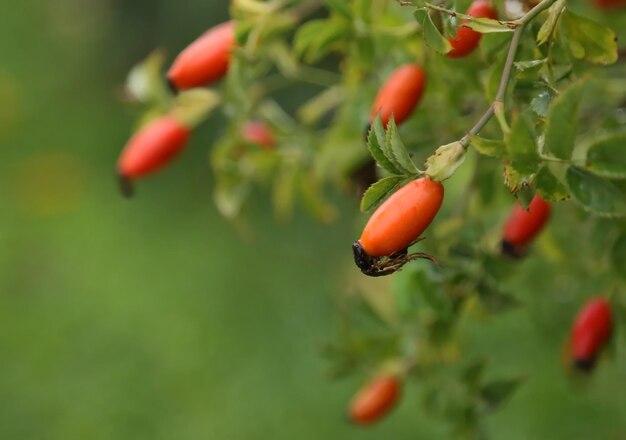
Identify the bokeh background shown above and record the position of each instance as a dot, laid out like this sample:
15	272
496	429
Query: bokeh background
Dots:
157	319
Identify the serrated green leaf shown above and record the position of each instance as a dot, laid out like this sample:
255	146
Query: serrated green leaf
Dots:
549	187
488	147
521	146
548	26
541	102
376	141
432	36
486	25
379	191
496	393
595	194
396	147
561	123
587	39
388	147
606	156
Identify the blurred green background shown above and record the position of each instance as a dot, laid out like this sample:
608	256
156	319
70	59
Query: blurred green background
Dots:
156	318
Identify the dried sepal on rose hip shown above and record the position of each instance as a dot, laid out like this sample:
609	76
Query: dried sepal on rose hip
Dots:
523	226
150	149
466	40
375	399
591	331
205	60
398	223
399	95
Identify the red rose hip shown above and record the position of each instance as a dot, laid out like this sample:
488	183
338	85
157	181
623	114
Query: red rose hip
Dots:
523	226
205	60
395	225
375	400
591	331
399	95
151	148
466	40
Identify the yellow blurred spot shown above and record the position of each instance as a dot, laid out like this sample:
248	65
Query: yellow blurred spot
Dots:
550	248
49	183
450	353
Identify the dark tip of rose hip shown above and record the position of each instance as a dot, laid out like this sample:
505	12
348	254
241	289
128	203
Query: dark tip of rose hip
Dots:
512	251
126	186
584	365
172	86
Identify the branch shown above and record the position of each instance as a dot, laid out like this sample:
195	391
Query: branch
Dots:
497	106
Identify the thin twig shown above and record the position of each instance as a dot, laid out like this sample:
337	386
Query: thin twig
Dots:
498	102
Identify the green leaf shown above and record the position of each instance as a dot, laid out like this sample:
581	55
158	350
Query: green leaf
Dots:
560	132
488	147
396	148
531	64
521	147
547	29
588	40
596	194
514	180
379	191
486	25
541	102
606	156
314	39
432	36
376	142
496	393
445	161
549	187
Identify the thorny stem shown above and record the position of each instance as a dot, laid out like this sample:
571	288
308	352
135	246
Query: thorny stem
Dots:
498	103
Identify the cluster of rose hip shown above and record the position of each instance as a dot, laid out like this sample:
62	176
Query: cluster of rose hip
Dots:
397	223
203	62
